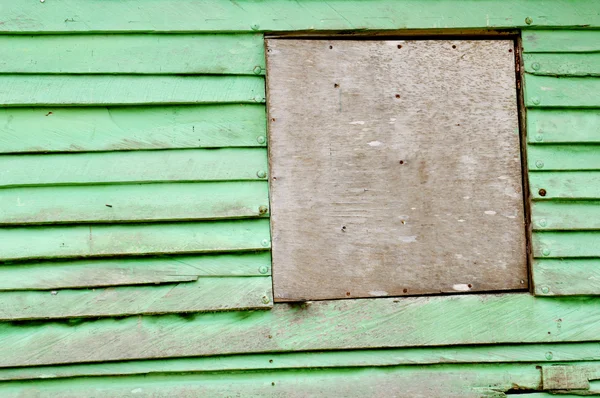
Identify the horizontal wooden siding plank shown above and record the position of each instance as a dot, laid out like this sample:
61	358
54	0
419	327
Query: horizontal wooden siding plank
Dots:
566	244
127	128
565	185
241	54
205	294
179	165
281	15
563	64
132	239
561	41
559	277
549	91
563	157
320	325
140	202
44	90
565	215
50	275
563	126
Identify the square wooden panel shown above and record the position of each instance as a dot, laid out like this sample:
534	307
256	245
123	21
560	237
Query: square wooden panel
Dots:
395	168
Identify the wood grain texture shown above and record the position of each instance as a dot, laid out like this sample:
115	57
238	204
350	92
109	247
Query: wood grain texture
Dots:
565	215
324	359
453	381
559	277
569	92
565	185
401	175
44	90
561	41
563	126
49	275
241	54
140	202
563	157
205	294
563	64
178	165
566	244
282	15
132	239
322	325
127	128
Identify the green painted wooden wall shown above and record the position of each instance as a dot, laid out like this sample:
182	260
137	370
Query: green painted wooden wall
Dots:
134	233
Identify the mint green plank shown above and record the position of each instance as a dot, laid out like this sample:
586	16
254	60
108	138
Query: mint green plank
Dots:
452	381
126	128
561	41
205	294
566	244
557	277
241	54
563	157
177	165
132	239
278	15
50	275
140	202
563	64
567	215
570	92
539	353
565	185
44	90
321	325
563	126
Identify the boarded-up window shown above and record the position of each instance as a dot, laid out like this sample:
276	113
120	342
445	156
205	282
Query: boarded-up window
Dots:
395	168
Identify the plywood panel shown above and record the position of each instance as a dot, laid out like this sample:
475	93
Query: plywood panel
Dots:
395	168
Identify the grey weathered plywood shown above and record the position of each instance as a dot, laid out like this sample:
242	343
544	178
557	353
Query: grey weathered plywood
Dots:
395	168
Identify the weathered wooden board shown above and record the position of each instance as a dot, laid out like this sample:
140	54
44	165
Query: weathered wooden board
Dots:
566	244
205	294
178	165
326	359
565	185
132	239
42	90
565	215
140	202
47	275
241	54
570	92
322	325
283	15
563	157
563	64
402	173
454	381
557	41
563	126
127	128
557	277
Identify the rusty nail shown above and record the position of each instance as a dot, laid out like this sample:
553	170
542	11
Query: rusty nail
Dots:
260	139
263	269
263	209
265	300
542	192
528	21
539	164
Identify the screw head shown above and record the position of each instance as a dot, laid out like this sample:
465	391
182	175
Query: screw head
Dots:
535	66
261	174
263	210
535	101
266	300
257	70
255	27
265	243
542	223
528	21
263	269
539	137
261	139
545	252
539	164
549	355
259	98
